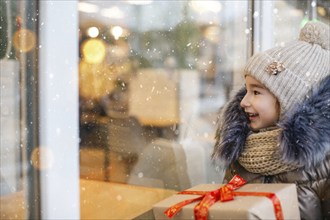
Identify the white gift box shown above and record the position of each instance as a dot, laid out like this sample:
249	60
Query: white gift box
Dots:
242	207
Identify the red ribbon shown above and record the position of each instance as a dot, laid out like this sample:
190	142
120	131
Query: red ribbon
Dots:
224	194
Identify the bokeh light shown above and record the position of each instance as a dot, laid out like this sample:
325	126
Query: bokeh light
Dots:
117	32
24	40
42	158
94	51
93	32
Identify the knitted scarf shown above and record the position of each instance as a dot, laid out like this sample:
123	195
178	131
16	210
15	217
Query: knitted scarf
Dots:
261	154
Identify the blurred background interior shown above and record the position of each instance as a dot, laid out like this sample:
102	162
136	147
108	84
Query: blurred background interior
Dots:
153	76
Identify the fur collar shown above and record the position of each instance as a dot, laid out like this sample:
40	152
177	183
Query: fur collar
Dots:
304	141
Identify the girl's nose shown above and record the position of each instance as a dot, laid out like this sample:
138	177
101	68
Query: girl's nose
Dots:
245	102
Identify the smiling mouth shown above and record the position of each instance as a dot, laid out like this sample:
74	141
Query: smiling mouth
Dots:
251	116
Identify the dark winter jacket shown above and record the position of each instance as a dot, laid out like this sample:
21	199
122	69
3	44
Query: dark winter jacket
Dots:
305	141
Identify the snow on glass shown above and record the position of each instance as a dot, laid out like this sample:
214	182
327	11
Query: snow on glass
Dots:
204	104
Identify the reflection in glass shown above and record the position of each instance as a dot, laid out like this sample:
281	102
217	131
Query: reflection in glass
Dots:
24	40
93	51
18	135
148	110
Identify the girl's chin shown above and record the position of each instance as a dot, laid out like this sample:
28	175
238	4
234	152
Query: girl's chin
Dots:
254	128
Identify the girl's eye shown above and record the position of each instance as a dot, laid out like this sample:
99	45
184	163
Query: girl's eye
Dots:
256	92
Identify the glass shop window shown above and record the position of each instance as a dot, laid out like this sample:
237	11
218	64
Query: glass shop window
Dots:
153	76
18	107
290	16
281	21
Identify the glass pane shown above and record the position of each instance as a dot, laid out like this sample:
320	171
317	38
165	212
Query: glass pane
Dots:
290	16
153	75
18	40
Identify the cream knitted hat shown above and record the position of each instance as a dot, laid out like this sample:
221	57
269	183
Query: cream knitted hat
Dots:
291	71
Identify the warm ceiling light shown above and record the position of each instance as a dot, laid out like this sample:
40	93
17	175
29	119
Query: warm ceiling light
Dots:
93	32
117	32
88	7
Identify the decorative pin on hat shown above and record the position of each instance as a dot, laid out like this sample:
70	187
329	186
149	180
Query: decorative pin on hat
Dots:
275	68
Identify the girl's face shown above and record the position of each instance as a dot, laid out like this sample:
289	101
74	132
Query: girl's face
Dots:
260	105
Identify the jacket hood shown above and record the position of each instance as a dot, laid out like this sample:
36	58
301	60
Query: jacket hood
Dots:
305	137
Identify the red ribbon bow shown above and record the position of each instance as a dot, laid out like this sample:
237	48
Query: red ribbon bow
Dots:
224	194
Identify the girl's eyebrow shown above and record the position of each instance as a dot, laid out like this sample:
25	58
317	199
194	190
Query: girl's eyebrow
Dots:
257	86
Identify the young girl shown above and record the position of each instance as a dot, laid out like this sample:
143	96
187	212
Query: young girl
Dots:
277	128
